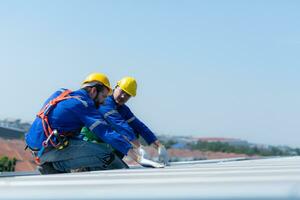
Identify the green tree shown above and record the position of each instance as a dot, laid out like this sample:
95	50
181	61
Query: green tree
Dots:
248	150
7	164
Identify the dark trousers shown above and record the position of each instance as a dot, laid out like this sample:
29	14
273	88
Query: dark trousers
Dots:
80	154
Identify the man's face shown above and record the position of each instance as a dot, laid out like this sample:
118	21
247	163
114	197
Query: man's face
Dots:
120	96
100	98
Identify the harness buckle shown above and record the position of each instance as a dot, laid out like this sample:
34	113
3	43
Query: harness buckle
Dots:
62	141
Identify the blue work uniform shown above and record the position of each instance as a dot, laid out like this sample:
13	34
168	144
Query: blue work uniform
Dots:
69	116
124	121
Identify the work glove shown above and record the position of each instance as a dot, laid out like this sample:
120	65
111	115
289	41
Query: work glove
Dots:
163	155
146	162
149	163
143	153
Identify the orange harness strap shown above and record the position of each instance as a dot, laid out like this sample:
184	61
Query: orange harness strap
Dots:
43	114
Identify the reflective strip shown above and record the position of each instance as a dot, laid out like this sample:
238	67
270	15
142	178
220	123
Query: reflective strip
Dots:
96	123
83	102
131	119
110	113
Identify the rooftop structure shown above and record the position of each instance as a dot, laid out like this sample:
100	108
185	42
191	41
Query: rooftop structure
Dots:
273	178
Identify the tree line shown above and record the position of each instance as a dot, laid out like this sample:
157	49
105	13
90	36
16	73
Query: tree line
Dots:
244	149
7	165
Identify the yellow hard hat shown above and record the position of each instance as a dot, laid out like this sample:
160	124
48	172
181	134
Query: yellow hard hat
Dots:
98	77
129	85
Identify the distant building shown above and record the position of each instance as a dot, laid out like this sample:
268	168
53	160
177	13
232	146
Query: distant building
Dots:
230	141
11	128
179	146
11	133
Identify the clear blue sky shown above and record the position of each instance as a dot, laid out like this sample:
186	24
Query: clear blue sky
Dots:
205	68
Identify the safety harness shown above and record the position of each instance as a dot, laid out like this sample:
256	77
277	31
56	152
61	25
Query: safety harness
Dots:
57	140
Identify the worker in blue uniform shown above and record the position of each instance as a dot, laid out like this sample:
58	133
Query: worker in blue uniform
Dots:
53	136
120	117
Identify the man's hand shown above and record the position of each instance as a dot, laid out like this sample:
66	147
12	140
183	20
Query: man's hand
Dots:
143	153
146	162
149	163
163	154
136	143
137	155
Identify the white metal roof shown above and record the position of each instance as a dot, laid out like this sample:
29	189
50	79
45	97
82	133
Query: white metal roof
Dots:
275	178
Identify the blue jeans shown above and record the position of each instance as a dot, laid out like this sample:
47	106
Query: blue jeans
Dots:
80	154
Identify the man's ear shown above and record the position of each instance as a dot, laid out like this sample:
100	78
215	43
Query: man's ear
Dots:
93	92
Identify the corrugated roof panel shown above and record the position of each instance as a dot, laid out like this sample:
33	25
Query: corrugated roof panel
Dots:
276	178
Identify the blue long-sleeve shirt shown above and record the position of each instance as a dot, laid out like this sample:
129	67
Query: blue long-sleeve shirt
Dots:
70	115
124	121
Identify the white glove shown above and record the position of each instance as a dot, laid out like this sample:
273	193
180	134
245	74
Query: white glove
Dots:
142	152
149	163
146	162
163	155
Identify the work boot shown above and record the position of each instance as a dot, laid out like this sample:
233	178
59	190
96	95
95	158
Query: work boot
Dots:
47	168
